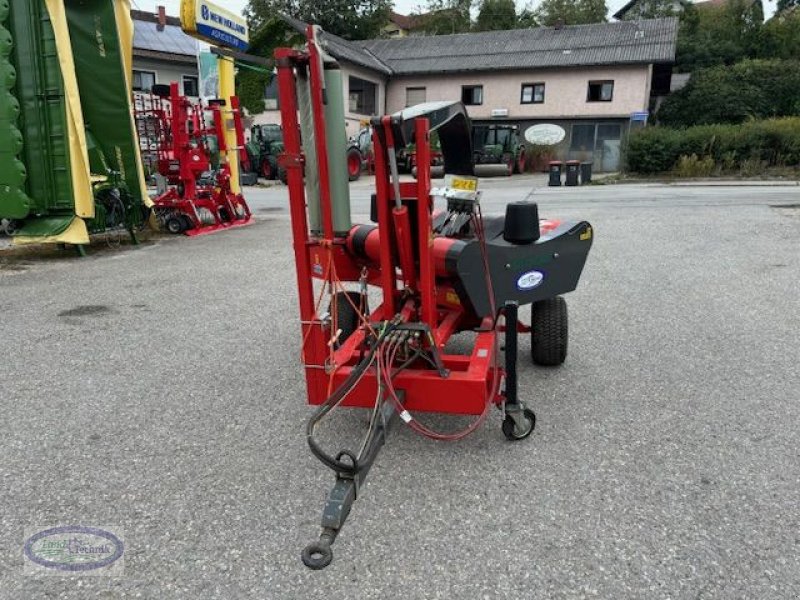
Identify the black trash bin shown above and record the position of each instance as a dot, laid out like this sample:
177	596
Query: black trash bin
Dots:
573	170
554	166
586	173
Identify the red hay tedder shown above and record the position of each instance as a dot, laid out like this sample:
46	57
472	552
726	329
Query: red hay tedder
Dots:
179	140
440	271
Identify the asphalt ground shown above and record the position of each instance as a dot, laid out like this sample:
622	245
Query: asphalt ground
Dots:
157	390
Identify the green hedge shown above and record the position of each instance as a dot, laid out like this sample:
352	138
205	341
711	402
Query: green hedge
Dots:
767	143
751	89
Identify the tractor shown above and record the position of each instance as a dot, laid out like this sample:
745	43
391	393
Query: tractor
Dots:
498	145
266	143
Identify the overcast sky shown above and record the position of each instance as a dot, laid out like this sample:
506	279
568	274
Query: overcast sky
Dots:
402	6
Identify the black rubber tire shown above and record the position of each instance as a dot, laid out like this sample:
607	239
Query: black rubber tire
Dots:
509	430
347	317
353	155
174	225
549	332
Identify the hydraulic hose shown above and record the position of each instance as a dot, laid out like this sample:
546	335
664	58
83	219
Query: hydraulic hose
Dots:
336	398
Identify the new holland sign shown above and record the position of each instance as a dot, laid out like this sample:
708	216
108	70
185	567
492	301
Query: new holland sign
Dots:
213	24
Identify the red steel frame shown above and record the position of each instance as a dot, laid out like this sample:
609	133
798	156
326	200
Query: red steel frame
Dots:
471	379
183	157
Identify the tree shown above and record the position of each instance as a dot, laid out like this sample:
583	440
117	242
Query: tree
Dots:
719	35
527	18
653	9
784	4
251	83
571	12
350	19
780	36
445	16
496	14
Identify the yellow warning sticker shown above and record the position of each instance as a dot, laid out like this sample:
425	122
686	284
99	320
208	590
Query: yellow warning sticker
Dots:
464	183
586	235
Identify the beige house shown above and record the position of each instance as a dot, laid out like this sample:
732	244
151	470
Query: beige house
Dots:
162	53
596	81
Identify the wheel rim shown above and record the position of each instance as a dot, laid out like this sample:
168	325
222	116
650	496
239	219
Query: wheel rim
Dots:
521	164
266	170
511	166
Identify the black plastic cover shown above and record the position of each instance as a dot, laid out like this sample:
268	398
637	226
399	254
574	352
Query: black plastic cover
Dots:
449	120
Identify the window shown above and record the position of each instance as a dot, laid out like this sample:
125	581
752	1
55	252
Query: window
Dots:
415	95
363	96
582	137
600	91
143	81
190	86
532	93
472	95
271	94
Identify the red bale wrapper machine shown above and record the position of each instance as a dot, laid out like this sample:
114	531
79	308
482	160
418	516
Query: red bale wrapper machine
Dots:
440	271
179	138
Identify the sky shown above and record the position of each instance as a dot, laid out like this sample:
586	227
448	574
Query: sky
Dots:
402	6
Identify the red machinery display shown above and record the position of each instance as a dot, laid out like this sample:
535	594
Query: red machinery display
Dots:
438	272
178	143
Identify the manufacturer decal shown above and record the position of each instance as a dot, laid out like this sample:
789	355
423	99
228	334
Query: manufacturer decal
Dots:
529	280
586	235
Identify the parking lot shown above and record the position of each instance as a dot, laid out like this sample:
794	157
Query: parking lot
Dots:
158	390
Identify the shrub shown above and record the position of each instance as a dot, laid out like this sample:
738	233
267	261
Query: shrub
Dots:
750	89
652	150
749	147
692	166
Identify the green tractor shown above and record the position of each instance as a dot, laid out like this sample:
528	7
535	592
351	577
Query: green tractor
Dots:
359	149
266	143
499	145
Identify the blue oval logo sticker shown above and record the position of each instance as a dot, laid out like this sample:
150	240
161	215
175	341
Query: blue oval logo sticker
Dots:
529	280
74	548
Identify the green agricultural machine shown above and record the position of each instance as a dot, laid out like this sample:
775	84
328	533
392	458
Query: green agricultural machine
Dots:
266	143
69	157
500	145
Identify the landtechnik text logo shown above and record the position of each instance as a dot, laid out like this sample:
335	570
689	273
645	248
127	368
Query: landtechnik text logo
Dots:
73	549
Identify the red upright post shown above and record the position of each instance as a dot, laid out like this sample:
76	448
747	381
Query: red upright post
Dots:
426	269
382	195
313	338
